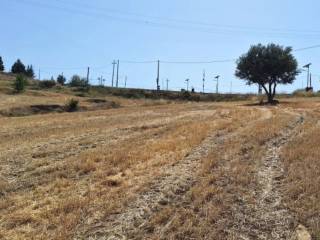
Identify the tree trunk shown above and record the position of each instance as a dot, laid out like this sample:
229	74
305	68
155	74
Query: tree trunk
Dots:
270	92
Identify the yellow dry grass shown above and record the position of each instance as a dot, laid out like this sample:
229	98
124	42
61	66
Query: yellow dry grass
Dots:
59	173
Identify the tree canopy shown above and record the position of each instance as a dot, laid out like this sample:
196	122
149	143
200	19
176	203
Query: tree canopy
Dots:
30	72
61	79
268	66
18	67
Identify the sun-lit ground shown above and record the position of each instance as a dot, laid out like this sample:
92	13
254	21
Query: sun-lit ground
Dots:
62	173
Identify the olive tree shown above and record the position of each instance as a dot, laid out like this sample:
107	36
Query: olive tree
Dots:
268	66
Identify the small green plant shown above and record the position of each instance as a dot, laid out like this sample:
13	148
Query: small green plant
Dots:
72	105
20	84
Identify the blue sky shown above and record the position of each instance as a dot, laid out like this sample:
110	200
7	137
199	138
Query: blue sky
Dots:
69	35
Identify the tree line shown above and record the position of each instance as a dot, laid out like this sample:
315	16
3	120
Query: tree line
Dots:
19	68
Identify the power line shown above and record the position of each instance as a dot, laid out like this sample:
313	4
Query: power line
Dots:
306	48
102	9
138	62
227	29
199	62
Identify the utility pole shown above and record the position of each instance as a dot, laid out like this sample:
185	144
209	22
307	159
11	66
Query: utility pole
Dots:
308	75
117	83
39	75
167	84
203	80
217	86
88	72
158	76
125	82
114	64
231	86
259	89
187	80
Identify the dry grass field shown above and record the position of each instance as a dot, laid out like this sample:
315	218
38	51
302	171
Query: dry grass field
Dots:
158	170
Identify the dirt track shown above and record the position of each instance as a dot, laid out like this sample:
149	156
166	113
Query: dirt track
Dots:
267	217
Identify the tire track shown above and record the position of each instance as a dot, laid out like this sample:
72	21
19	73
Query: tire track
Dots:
170	187
267	217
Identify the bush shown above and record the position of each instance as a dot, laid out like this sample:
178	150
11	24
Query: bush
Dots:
72	105
47	84
20	83
76	81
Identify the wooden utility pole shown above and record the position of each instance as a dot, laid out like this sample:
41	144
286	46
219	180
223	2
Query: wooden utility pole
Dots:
187	80
203	80
260	89
217	85
308	75
88	72
158	76
114	64
117	83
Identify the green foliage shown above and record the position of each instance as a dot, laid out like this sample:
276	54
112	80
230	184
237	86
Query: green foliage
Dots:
47	84
268	66
18	67
20	83
72	105
61	80
77	81
1	65
29	72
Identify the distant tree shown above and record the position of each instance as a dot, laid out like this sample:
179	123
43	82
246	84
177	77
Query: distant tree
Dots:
30	72
18	67
1	65
20	83
268	66
77	81
61	79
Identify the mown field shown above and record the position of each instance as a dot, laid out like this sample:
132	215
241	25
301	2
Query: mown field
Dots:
156	169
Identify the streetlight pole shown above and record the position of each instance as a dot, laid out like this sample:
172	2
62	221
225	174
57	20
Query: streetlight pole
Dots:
217	85
203	80
187	80
308	75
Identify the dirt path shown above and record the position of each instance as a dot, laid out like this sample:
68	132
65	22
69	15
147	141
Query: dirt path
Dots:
266	217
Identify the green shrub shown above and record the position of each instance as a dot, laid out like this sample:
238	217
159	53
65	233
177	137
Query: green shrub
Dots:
20	84
47	84
72	105
77	81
